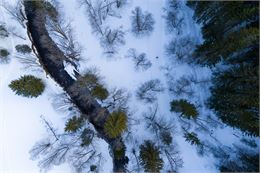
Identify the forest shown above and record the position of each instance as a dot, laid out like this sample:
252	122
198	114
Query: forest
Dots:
129	86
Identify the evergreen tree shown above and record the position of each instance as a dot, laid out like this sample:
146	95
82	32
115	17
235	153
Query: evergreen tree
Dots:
231	36
187	110
99	92
115	124
4	56
192	138
235	98
74	124
86	137
150	157
28	86
23	48
166	137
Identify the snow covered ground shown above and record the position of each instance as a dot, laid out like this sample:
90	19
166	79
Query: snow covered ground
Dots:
20	120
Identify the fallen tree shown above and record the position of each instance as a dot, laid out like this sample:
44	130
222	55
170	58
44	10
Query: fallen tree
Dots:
52	58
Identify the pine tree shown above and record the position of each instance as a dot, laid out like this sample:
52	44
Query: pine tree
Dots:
99	92
28	86
235	98
115	124
166	137
231	36
192	138
187	110
74	124
23	48
150	157
4	56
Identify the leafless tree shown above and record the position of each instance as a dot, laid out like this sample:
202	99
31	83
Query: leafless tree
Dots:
64	147
181	49
148	90
140	60
62	32
29	61
117	100
15	11
181	86
142	23
156	123
112	39
173	17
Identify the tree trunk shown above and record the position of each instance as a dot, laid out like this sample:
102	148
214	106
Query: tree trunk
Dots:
51	58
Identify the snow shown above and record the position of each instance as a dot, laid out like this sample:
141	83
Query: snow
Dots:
21	124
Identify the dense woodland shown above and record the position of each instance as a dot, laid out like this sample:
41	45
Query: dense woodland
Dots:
230	49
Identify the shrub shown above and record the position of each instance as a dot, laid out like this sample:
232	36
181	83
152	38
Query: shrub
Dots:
28	86
3	31
23	48
116	124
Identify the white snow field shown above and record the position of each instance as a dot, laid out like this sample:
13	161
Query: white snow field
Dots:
20	118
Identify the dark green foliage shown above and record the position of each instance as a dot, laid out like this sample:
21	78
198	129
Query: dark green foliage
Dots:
3	31
28	86
231	33
235	98
188	110
4	53
192	138
4	56
150	157
93	168
116	124
166	137
244	162
119	152
74	124
23	48
86	137
99	92
90	79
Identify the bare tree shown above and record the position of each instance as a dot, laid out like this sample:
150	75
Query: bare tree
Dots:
140	60
148	90
117	100
29	61
15	11
62	32
64	147
181	49
181	86
112	39
142	23
173	17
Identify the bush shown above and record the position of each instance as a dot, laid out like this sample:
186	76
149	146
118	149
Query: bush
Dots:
28	86
186	109
23	48
116	124
4	56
